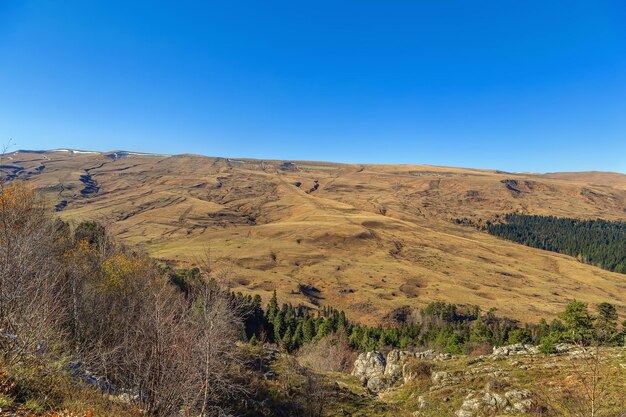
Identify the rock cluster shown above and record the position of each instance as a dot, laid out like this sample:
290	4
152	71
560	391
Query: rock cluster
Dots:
370	368
516	349
485	402
379	373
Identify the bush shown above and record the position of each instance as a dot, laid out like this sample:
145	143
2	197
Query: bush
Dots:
522	336
332	353
477	348
418	369
548	344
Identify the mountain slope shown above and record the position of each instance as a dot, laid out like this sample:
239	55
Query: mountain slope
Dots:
364	238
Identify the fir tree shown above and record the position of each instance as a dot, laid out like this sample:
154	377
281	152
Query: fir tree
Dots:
272	308
279	326
287	341
308	329
606	323
578	322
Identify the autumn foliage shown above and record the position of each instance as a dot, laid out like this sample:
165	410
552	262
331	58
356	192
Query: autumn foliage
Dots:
80	308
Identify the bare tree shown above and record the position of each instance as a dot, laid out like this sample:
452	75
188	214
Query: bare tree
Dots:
590	395
332	353
218	325
116	314
30	310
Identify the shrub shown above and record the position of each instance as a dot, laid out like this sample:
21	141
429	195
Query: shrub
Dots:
477	348
548	343
522	336
418	369
332	353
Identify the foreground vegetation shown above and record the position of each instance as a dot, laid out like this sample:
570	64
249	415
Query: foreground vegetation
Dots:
90	327
597	242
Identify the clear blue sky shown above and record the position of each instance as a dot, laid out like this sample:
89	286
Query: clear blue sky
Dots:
514	85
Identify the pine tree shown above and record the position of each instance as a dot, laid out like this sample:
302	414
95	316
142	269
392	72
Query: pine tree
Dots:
323	330
541	331
279	327
606	323
405	341
287	340
578	322
308	329
256	301
297	336
355	337
272	308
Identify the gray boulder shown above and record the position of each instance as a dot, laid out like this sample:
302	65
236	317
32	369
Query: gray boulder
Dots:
516	349
370	368
396	360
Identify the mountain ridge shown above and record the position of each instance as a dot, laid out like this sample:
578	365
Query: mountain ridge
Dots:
138	153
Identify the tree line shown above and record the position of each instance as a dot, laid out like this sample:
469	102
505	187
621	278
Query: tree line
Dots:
598	242
442	326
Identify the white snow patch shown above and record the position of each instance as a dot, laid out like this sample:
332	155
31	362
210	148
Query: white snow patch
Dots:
74	151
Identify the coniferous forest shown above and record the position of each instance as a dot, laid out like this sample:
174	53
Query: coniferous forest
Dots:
597	242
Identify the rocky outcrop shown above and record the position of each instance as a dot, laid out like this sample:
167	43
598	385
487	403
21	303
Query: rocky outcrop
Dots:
565	347
486	402
396	359
370	369
379	373
516	349
501	352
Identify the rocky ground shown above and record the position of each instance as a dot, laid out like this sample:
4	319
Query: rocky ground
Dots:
513	380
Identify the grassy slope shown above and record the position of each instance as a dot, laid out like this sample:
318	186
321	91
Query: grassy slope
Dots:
371	238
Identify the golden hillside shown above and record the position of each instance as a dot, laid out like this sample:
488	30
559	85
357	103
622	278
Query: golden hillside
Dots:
363	238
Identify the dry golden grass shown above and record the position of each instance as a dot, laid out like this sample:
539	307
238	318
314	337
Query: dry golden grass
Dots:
370	238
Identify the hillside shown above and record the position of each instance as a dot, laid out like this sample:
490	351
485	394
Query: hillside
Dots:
363	238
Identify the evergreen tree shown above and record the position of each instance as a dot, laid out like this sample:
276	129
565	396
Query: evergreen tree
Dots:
279	326
323	330
404	342
480	332
355	337
557	327
606	323
308	329
519	336
541	331
272	308
578	322
287	341
298	338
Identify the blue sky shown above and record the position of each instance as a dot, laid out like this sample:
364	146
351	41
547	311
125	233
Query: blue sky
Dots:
521	86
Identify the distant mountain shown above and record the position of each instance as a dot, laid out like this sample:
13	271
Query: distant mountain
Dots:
365	238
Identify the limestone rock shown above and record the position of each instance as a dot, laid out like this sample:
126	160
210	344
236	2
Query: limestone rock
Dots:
370	368
516	349
369	364
439	377
396	359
